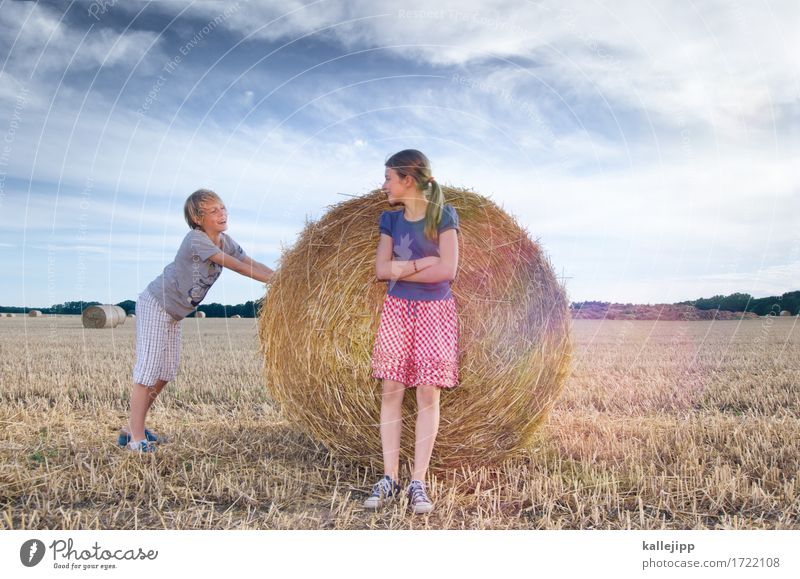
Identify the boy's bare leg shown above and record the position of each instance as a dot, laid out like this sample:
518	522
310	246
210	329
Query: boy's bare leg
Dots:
426	429
142	398
155	391
392	426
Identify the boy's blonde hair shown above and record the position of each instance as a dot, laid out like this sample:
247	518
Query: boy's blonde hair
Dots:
192	209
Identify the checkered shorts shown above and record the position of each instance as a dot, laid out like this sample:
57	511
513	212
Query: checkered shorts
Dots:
417	343
158	342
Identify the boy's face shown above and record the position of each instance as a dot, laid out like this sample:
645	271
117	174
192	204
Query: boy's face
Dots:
215	217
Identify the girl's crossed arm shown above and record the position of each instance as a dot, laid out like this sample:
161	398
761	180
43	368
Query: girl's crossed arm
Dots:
388	269
445	267
245	266
428	269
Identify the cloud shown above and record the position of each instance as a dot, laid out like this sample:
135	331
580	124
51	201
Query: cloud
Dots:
639	142
723	66
44	43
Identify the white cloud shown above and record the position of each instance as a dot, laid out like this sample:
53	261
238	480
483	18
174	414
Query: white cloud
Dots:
615	133
724	66
763	282
42	39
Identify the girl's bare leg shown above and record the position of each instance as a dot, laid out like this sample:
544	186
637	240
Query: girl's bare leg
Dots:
392	426
426	429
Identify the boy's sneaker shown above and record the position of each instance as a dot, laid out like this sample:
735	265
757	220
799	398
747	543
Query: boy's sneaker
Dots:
141	446
384	491
418	498
125	437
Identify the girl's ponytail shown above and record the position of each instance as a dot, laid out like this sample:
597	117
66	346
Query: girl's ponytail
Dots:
415	164
433	215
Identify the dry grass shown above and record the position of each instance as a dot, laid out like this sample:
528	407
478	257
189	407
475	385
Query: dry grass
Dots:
322	312
677	425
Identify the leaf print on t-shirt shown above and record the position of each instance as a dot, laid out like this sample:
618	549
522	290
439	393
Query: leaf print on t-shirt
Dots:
402	252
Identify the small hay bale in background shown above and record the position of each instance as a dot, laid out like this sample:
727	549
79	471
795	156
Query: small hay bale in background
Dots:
102	316
11	315
786	313
35	313
200	315
121	315
236	317
131	316
321	315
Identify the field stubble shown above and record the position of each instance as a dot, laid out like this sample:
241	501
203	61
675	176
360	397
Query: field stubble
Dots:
662	425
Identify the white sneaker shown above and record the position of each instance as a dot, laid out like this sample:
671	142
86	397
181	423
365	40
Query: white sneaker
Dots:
418	499
141	446
383	492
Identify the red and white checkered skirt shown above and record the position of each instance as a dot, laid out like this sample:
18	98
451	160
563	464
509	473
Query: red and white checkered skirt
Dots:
417	343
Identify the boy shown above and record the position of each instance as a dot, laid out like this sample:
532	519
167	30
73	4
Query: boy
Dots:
172	296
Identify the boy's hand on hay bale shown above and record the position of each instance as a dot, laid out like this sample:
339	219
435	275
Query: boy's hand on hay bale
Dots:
246	266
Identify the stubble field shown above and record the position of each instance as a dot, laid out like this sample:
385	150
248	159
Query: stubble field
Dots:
677	425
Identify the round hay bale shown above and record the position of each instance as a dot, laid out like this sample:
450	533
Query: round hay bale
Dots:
786	313
236	317
121	314
35	313
200	315
102	316
321	315
132	316
11	315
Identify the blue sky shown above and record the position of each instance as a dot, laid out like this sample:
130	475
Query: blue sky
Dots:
651	148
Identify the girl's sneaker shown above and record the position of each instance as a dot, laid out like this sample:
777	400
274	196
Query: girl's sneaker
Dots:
418	498
383	492
125	437
141	446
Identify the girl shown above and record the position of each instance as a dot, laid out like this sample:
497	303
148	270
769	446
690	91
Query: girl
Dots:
173	295
417	339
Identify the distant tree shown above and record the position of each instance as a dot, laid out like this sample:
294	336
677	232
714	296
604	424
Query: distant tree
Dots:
72	308
248	309
590	304
213	310
736	302
739	302
765	306
791	301
128	305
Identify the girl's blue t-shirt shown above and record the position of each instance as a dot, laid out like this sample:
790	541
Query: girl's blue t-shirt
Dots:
410	243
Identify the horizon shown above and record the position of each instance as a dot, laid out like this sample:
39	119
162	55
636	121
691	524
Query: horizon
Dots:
232	305
649	150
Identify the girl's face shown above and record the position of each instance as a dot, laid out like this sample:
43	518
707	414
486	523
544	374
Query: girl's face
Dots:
215	217
398	188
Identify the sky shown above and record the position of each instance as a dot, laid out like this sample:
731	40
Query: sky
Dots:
651	148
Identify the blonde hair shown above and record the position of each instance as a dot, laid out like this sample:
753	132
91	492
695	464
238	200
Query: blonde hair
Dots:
193	210
414	164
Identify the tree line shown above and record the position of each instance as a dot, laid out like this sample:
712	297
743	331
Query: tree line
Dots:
736	302
248	309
